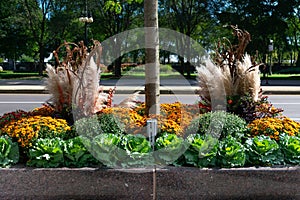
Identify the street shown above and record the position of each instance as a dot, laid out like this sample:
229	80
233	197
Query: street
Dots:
11	102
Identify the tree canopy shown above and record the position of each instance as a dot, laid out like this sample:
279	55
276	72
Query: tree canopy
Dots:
36	27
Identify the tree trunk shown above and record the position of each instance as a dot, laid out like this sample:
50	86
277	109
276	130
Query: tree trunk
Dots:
118	64
152	57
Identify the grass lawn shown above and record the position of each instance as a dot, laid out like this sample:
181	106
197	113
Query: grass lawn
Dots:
282	77
34	75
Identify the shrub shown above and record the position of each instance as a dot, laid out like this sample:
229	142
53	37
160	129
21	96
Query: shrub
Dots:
88	127
202	150
263	151
273	127
110	124
9	152
219	124
231	153
27	129
290	146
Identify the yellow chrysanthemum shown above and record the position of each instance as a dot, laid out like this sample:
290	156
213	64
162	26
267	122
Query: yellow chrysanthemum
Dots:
26	129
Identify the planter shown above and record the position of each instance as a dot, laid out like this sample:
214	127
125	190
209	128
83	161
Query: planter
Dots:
169	183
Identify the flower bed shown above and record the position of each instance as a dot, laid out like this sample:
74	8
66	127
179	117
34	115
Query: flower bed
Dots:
231	144
113	138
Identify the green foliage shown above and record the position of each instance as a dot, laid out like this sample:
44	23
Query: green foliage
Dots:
290	146
110	124
106	148
46	152
169	147
138	149
116	7
20	75
9	152
113	6
202	150
76	154
263	151
136	144
219	124
88	127
231	153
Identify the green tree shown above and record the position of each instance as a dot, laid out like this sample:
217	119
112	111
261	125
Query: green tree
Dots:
264	20
15	39
113	17
187	18
36	13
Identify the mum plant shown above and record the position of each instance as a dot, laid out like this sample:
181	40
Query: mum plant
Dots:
274	127
27	129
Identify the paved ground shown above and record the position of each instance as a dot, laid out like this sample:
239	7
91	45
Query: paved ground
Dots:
130	85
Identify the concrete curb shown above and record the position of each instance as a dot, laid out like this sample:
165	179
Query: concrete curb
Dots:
39	89
169	183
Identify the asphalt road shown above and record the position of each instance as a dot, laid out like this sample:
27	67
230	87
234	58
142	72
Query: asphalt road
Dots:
12	102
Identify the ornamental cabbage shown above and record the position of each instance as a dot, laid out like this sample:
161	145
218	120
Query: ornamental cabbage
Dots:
138	150
169	147
262	150
231	153
106	148
76	154
46	152
9	152
290	146
202	150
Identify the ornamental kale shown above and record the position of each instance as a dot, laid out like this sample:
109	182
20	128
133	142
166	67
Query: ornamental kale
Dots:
231	153
202	150
106	148
138	150
169	148
46	152
76	154
290	146
9	152
262	150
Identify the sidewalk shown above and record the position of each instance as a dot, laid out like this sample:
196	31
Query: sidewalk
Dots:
128	86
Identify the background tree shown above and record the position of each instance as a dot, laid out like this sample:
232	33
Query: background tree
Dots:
265	20
113	17
15	39
187	18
